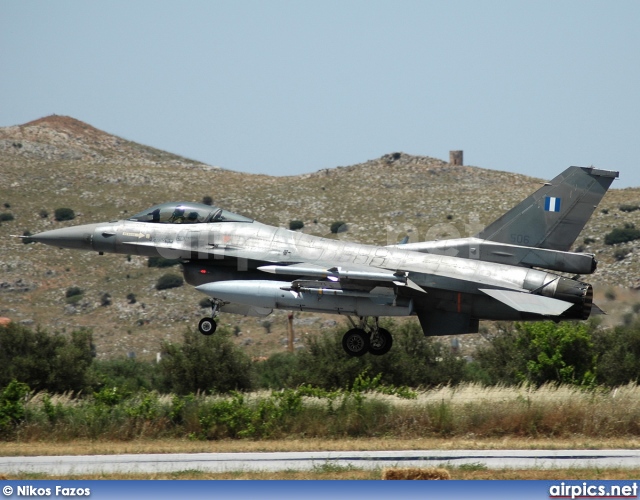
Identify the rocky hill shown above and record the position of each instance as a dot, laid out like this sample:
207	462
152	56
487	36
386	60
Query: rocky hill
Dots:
59	162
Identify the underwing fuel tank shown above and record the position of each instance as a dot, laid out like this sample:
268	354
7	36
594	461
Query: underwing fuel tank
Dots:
281	295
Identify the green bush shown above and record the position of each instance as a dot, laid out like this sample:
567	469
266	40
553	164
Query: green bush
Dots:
339	227
622	235
12	409
130	375
73	295
294	225
73	291
278	371
169	281
629	208
62	214
6	217
73	300
206	363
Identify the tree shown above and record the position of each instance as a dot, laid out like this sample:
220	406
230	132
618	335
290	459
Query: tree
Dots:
51	362
541	352
618	354
557	352
206	363
501	361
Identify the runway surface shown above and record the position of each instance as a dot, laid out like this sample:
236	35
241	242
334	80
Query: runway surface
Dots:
223	462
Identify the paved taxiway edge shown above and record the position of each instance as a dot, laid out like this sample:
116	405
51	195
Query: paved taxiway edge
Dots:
225	462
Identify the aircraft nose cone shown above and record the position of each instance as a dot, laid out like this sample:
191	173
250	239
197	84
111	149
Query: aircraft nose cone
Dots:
78	237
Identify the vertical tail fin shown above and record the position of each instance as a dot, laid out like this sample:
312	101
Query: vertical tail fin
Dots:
554	215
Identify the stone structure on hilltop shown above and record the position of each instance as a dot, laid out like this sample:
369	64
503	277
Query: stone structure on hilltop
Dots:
455	158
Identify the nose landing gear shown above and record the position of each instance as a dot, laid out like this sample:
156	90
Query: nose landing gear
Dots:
207	326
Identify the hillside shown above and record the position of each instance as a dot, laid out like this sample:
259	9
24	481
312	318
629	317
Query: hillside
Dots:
58	162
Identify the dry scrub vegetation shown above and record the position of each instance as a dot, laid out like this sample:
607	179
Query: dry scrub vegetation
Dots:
464	417
466	413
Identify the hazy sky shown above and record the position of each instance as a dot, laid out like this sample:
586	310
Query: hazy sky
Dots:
288	87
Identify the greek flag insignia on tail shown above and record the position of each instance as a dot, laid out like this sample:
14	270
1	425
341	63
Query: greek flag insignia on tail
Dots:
552	204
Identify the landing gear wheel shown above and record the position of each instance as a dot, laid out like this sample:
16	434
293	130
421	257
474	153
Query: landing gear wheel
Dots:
355	342
207	326
381	342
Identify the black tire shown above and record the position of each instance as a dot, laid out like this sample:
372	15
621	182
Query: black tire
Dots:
380	343
207	326
355	342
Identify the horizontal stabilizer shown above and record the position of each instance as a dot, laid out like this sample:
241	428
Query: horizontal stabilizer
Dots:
529	303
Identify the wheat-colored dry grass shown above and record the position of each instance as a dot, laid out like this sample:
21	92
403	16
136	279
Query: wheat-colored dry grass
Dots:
416	474
86	447
464	417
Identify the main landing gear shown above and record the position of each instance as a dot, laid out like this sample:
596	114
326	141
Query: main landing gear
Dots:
364	338
358	341
207	326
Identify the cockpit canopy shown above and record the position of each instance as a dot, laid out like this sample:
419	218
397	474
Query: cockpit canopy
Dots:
187	213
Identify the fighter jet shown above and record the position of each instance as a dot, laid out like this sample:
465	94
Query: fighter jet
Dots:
505	272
